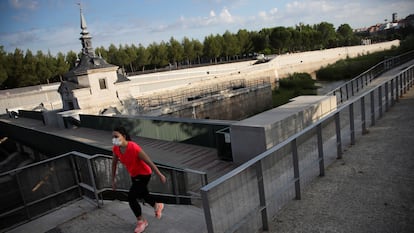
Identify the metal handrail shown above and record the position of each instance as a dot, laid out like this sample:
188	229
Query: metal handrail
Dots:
370	75
403	80
81	185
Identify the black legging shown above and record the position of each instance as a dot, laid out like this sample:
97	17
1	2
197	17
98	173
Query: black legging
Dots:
139	190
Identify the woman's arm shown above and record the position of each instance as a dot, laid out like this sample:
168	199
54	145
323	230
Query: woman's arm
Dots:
114	166
142	155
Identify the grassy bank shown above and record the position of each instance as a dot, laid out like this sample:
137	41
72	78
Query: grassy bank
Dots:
293	86
352	67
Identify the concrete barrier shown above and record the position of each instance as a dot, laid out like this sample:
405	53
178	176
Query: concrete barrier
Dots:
256	134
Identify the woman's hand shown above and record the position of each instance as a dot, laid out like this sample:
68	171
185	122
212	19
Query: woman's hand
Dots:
162	178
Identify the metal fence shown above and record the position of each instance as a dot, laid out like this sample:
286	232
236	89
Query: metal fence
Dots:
354	86
39	188
245	199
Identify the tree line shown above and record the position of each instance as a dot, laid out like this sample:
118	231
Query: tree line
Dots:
20	69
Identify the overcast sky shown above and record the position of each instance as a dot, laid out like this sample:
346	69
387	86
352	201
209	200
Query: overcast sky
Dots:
54	25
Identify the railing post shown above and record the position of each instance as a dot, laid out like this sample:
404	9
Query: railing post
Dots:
357	84
397	88
320	150
262	197
338	136
76	172
296	168
174	183
363	118
92	175
386	97
392	93
405	82
352	89
346	89
372	108
351	123
380	101
207	212
22	195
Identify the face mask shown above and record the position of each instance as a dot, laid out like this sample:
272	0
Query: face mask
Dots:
116	141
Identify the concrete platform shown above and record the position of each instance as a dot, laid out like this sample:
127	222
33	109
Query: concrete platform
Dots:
115	216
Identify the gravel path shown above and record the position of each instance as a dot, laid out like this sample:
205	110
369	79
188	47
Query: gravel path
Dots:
370	190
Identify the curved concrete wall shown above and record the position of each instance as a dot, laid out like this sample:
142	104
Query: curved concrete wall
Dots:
279	67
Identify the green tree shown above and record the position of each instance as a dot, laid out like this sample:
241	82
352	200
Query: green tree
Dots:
15	70
212	47
188	50
142	57
279	39
327	34
132	54
345	35
112	50
158	55
230	45
3	64
102	52
61	66
198	50
29	76
175	51
245	43
121	57
44	72
71	58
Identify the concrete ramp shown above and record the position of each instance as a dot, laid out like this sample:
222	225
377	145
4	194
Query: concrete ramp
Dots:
115	217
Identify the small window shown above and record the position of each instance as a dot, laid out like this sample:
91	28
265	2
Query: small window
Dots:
102	83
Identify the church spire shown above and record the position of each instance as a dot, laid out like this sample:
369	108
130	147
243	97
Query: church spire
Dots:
85	38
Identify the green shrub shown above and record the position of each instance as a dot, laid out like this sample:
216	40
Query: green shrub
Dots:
293	86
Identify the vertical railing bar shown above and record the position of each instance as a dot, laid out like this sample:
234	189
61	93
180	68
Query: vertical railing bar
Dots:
363	118
387	102
207	211
380	101
262	197
26	208
93	182
338	136
397	87
296	168
352	89
175	185
351	123
357	84
346	89
405	82
372	108
320	150
76	174
392	93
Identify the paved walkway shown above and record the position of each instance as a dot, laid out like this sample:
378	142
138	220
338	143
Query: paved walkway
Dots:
370	190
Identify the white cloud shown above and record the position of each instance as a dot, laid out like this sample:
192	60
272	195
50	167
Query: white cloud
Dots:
212	13
27	4
226	17
274	11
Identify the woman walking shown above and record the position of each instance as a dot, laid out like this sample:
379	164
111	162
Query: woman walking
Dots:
140	167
